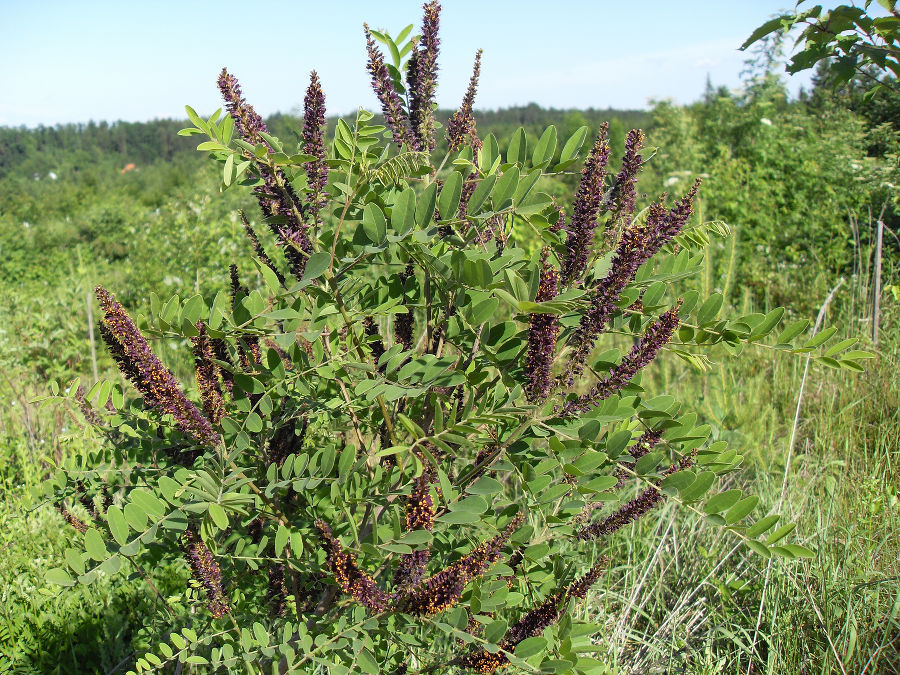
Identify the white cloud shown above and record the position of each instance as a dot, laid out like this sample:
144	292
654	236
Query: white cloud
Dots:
625	81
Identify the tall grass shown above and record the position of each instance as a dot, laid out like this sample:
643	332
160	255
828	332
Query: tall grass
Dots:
695	605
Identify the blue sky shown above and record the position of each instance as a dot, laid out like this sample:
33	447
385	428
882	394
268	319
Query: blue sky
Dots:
65	61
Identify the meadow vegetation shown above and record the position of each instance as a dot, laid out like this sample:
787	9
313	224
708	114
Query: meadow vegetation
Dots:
800	184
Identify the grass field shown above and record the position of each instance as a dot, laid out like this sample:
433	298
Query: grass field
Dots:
820	447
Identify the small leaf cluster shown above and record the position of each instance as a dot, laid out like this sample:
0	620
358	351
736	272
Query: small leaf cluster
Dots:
849	39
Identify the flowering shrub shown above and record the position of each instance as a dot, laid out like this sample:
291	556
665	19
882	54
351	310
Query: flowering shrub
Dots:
405	453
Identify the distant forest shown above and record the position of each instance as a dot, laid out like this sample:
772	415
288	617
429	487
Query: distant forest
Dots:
75	147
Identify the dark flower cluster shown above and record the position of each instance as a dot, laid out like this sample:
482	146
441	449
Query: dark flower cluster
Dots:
207	375
485	662
258	249
442	590
373	338
220	349
485	452
248	347
277	590
642	446
288	438
641	355
283	355
639	243
411	569
419	516
117	352
420	506
586	208
293	236
533	622
560	224
90	415
579	588
71	518
206	572
88	502
352	580
403	323
413	91
461	127
542	334
630	512
422	78
468	189
391	105
237	288
314	144
435	594
647	500
276	197
624	189
255	529
247	121
140	365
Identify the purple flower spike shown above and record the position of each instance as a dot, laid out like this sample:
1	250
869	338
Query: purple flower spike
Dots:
645	502
352	580
461	126
637	507
422	78
420	506
314	144
533	622
258	249
277	591
140	365
403	323
237	288
484	662
587	204
293	237
71	518
220	348
205	570
246	120
443	590
579	588
639	243
530	624
373	338
542	338
90	415
642	353
391	105
624	190
248	347
208	375
419	516
276	197
643	446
